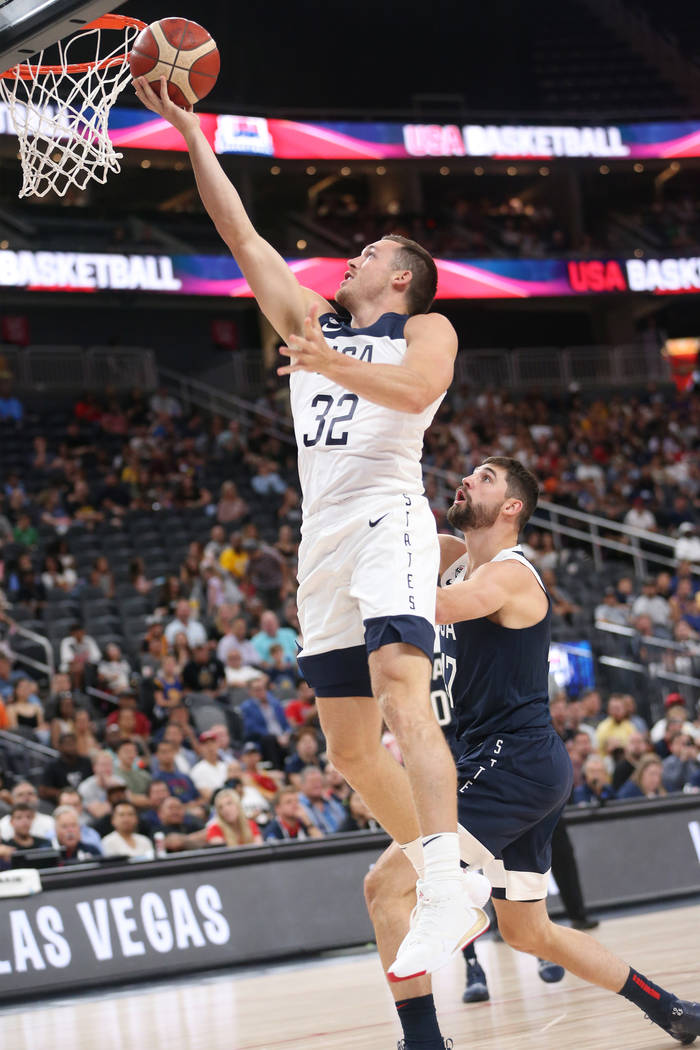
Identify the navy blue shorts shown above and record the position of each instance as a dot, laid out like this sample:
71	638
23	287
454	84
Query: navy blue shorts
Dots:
512	790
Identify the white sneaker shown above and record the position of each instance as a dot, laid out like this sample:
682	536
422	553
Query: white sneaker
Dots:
477	888
442	923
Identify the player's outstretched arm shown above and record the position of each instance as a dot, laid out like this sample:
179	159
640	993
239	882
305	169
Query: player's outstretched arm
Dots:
280	296
424	374
486	592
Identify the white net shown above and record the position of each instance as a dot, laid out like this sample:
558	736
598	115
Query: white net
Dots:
61	111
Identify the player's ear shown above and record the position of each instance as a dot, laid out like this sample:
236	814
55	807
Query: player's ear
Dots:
401	279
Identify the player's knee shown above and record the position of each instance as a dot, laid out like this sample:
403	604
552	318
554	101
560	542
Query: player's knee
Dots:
346	755
522	937
375	886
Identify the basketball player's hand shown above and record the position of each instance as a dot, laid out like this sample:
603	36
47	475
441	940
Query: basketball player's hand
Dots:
183	120
308	352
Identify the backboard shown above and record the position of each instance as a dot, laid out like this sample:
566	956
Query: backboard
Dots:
27	26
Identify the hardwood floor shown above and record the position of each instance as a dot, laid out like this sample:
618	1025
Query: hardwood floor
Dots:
342	1003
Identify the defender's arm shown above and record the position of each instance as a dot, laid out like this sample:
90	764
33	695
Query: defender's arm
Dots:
485	592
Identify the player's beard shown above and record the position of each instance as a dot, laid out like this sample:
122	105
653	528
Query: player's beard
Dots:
468	517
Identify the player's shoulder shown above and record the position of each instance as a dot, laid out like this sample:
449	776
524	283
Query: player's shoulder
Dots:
435	325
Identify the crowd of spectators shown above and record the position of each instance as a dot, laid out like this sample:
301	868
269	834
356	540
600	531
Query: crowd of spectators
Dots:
156	549
616	754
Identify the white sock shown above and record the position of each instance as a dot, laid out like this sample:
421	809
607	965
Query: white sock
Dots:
441	853
413	851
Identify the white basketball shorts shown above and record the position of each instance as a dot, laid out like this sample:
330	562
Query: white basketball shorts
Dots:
367	578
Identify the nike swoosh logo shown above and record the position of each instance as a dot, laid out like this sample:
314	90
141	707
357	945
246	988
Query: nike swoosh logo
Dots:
426	842
373	523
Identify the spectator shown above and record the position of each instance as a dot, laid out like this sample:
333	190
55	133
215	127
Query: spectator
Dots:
302	710
579	747
264	722
266	573
179	784
62	707
185	624
650	603
164	404
639	516
237	639
267	481
168	688
358	817
21	819
238	674
180	734
126	701
291	819
610	610
645	782
42	826
687	546
114	672
231	827
68	837
234	558
306	753
102	576
6	677
68	770
635	747
93	790
88	833
78	649
231	509
265	783
127	768
210	773
681	766
255	805
325	813
124	841
675	712
10	406
270	634
616	728
24	710
158	791
182	830
596	788
87	742
204	673
55	578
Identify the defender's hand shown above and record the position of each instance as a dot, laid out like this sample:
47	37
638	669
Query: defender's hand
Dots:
308	352
183	120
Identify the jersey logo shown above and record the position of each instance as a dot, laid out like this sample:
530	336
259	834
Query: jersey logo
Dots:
377	520
331	324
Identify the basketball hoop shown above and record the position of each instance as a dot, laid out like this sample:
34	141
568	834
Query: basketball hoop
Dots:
61	111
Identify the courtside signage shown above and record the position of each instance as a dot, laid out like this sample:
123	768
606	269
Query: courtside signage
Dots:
348	140
219	275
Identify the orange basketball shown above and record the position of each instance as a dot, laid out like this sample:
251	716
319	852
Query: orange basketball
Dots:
183	52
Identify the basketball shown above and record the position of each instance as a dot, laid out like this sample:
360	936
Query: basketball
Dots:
180	50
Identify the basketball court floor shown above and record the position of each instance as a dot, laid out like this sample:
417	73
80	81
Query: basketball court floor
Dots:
341	1003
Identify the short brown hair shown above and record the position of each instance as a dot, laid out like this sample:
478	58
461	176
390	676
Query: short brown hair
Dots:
412	256
521	483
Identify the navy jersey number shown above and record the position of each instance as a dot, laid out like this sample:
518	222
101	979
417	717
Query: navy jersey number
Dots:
346	401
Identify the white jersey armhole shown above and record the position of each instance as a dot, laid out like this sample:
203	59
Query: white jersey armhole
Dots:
516	554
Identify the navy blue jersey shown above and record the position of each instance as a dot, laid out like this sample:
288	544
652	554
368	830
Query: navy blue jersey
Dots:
496	677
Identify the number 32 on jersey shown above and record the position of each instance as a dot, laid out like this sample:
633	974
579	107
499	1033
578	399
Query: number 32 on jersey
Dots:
329	430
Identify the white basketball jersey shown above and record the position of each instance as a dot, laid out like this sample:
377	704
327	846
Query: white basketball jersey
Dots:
348	446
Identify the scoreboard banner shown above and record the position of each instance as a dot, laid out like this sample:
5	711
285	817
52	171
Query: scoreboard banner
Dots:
219	275
355	140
